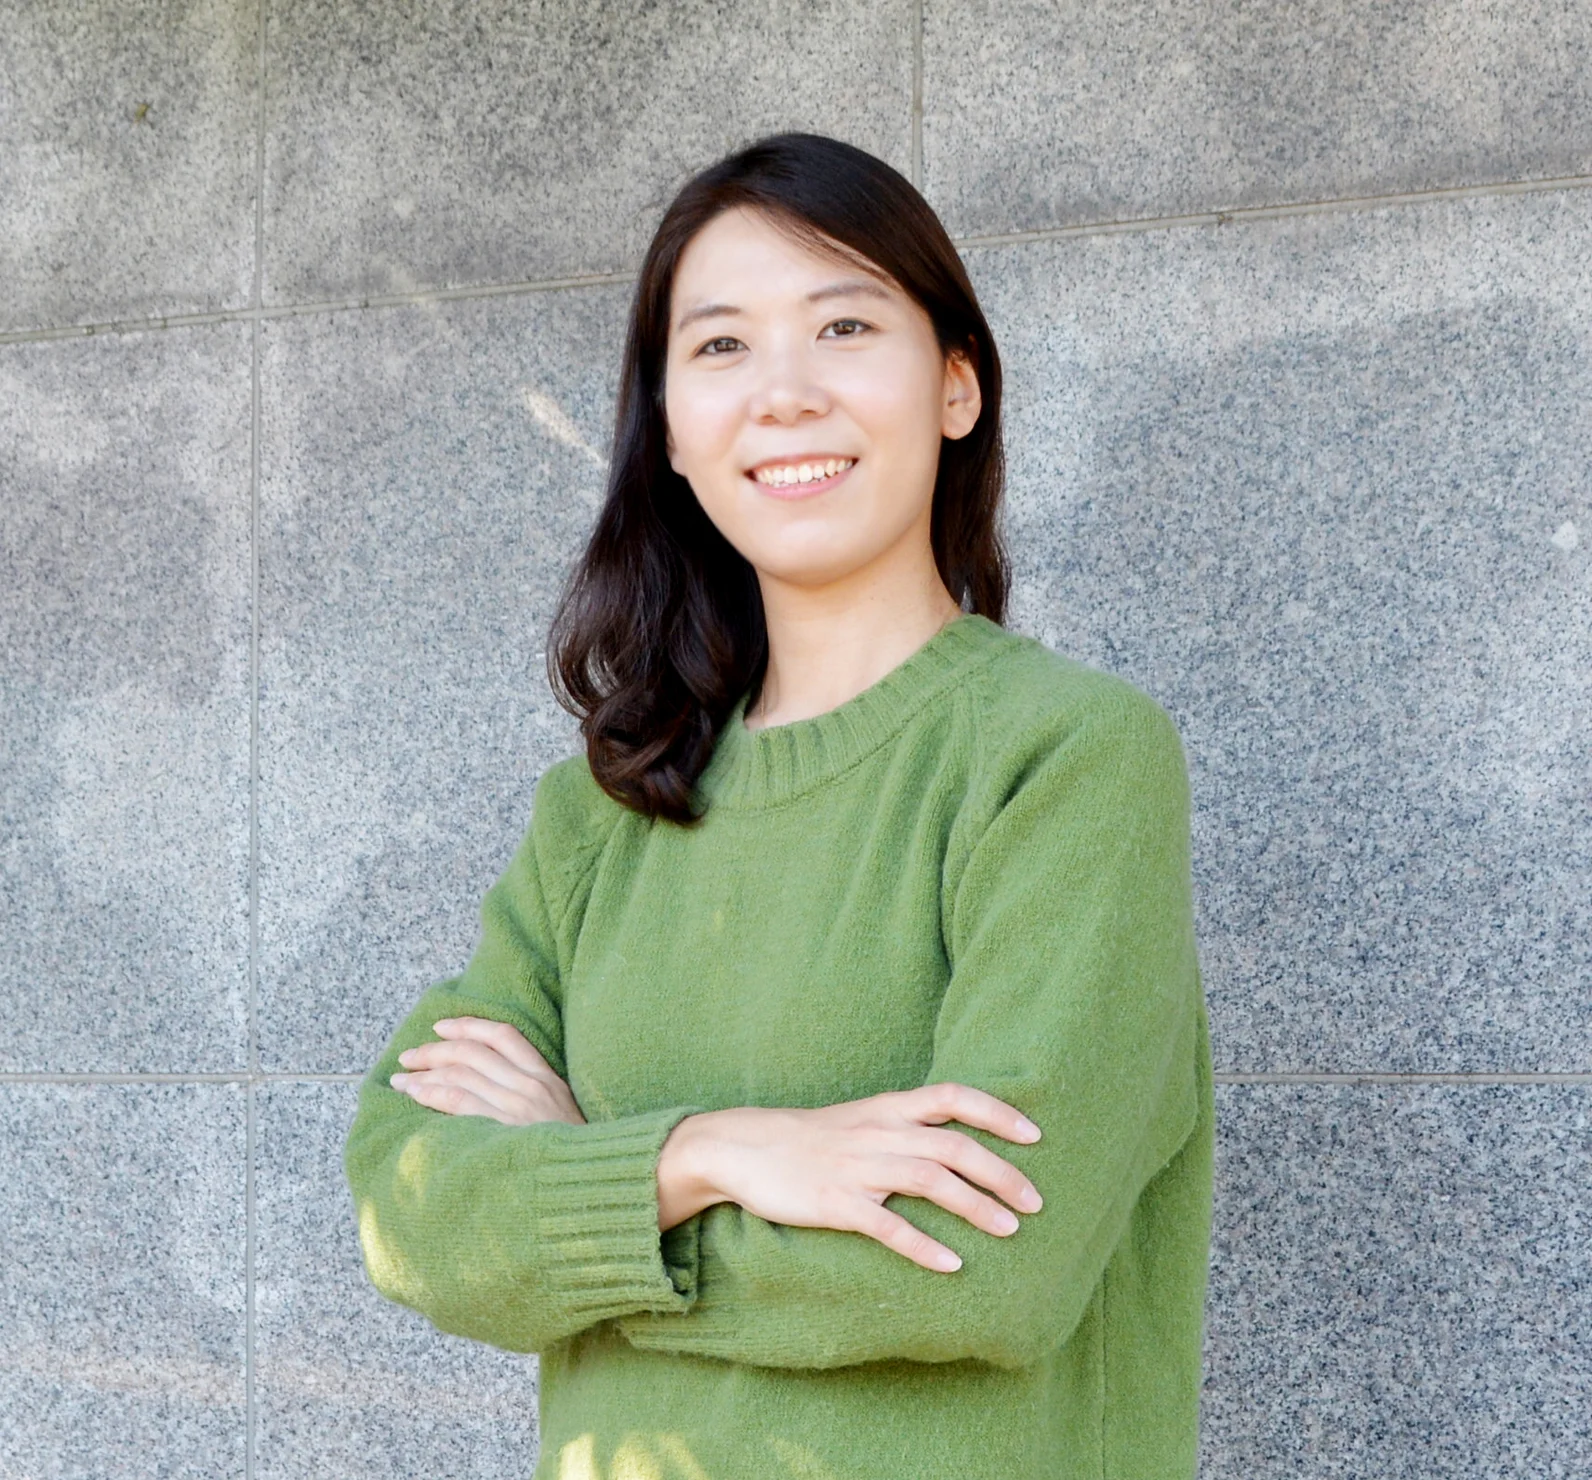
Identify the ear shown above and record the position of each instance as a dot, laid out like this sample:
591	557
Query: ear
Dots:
668	446
963	399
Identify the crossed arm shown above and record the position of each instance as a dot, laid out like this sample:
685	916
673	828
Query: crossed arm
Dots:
734	1233
826	1168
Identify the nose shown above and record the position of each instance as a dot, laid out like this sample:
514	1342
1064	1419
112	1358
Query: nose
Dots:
786	387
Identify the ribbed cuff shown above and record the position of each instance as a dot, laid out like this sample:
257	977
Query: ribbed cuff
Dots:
595	1218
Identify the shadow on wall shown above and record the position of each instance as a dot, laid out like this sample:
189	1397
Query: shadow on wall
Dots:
1341	559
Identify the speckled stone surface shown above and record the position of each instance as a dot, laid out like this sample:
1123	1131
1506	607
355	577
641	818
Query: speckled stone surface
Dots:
430	475
1044	115
347	1383
435	146
1321	485
122	1300
1399	1283
124	682
127	159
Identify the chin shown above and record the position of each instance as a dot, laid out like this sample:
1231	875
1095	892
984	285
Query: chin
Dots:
812	572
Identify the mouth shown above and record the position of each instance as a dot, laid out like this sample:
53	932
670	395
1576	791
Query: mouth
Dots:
800	478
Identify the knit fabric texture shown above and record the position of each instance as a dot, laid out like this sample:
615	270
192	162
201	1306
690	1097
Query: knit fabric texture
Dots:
976	870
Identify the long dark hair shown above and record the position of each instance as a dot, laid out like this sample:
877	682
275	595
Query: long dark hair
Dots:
659	628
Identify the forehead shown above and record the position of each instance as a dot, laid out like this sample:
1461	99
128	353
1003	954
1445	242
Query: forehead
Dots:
740	262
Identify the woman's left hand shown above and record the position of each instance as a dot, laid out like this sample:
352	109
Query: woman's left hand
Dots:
488	1068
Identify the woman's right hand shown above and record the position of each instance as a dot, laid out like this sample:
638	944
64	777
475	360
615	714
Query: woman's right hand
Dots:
833	1167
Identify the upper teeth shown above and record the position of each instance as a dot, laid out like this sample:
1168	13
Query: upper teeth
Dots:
803	472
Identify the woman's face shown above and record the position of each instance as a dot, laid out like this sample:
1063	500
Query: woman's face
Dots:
780	358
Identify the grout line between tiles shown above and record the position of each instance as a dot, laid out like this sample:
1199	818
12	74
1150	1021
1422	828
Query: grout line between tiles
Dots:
917	93
1238	215
1221	1076
256	298
1374	1076
319	306
1242	214
284	1076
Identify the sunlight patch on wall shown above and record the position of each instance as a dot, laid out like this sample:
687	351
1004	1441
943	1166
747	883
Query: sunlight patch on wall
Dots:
558	425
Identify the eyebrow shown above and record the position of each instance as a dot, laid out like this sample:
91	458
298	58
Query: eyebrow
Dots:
845	289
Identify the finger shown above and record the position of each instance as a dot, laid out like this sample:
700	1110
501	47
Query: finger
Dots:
455	1081
979	1165
483	1059
935	1104
894	1232
928	1179
504	1037
451	1099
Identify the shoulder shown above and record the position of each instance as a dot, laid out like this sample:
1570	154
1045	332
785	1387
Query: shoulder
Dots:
570	810
1069	762
572	817
568	798
1032	709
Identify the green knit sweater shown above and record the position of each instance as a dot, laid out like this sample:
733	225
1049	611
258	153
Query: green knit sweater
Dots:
975	870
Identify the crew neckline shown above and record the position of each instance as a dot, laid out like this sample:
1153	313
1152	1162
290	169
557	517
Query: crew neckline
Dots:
752	768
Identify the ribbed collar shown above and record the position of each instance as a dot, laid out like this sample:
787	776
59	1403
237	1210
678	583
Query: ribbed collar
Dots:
758	768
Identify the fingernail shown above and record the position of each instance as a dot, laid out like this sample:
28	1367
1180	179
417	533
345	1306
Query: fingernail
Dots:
397	1077
1028	1130
1005	1221
1031	1201
948	1262
442	1023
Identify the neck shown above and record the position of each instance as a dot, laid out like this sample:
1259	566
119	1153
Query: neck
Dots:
823	651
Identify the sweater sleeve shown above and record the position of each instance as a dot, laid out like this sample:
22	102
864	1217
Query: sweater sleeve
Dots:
1073	995
518	1236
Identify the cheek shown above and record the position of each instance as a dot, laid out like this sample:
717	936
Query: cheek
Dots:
704	430
896	406
702	421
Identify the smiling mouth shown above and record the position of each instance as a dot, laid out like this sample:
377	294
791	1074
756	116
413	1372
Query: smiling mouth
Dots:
787	479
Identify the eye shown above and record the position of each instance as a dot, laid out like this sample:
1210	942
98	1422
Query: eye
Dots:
858	322
722	339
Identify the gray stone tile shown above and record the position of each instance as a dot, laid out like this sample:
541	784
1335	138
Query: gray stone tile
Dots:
127	159
122	1218
1321	485
500	143
124	681
348	1383
431	472
1399	1283
1041	115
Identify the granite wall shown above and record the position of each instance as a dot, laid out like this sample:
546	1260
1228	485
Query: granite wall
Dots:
309	321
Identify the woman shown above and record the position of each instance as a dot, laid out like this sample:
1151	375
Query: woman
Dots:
862	926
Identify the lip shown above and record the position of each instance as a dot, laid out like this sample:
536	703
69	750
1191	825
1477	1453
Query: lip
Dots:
799	490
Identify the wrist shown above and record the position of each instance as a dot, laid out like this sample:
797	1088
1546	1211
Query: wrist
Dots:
686	1166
